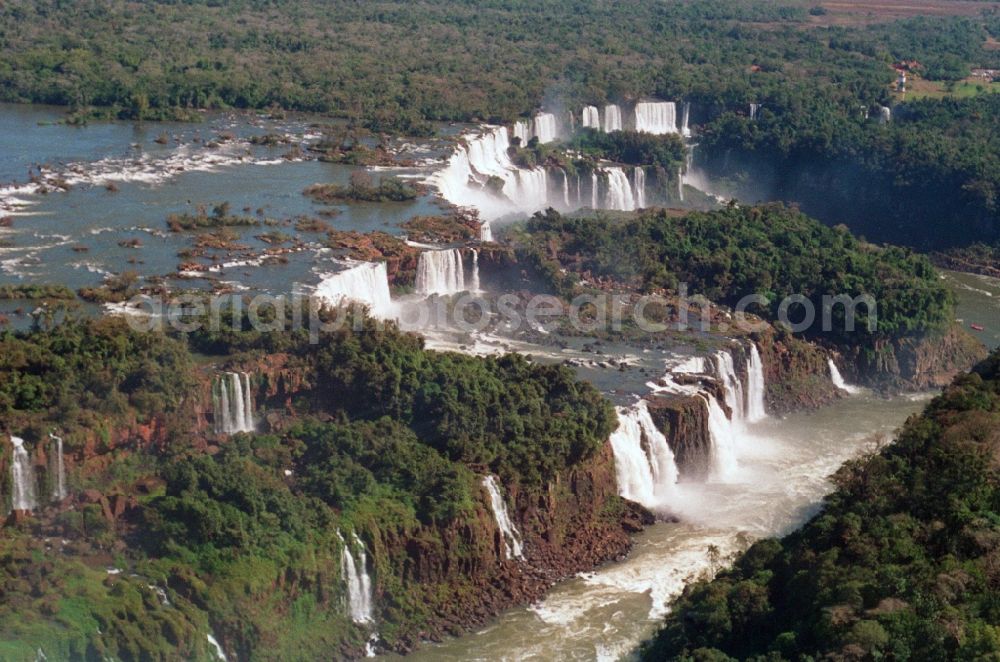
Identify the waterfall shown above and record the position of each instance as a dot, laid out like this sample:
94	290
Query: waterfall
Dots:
474	286
546	128
59	470
612	118
644	464
685	114
511	536
723	434
725	370
884	114
216	647
485	231
365	282
838	379
755	386
466	180
593	190
579	191
591	118
233	404
522	131
640	187
23	478
440	272
754	109
565	188
619	195
359	583
657	117
680	184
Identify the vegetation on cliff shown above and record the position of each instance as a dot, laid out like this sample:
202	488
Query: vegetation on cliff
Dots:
367	433
901	562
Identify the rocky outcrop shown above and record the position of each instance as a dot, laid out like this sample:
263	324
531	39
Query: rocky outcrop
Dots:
684	422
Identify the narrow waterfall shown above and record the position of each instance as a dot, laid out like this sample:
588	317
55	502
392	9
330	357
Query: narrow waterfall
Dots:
725	370
640	187
755	386
485	231
366	283
522	131
511	537
579	192
680	184
591	118
644	464
58	470
22	478
685	115
565	178
884	114
838	379
754	109
593	190
619	195
612	118
546	127
359	583
440	272
216	648
474	285
232	403
657	117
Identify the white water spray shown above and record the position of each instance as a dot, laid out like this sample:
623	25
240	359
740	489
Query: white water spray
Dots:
22	478
512	544
838	379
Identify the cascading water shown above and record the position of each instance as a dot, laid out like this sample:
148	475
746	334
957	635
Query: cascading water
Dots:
58	470
216	648
359	583
725	370
591	118
723	433
644	464
474	285
546	127
656	117
565	178
884	114
233	403
685	116
640	187
755	387
366	283
838	379
22	478
522	131
440	272
754	109
612	118
619	195
511	536
485	232
593	190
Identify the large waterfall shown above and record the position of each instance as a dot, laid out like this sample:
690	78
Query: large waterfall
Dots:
838	379
22	478
612	118
233	403
640	187
644	463
591	117
657	117
359	583
546	127
366	283
511	536
619	190
58	470
440	272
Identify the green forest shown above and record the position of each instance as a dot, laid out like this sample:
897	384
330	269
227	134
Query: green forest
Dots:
901	563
